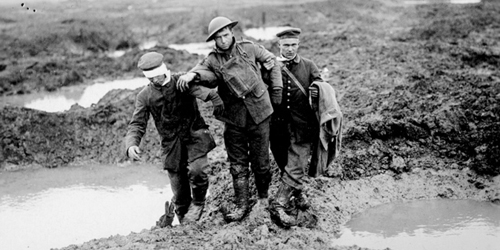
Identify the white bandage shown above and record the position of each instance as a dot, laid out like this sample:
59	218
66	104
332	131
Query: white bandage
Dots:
158	71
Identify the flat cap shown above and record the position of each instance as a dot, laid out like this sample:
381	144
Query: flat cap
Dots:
150	61
289	33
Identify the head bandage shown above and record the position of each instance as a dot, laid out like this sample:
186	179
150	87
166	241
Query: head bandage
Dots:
158	71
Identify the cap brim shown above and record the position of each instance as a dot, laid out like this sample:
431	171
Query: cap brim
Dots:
230	25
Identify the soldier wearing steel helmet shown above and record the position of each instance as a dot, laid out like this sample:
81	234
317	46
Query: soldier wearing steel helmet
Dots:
185	138
247	107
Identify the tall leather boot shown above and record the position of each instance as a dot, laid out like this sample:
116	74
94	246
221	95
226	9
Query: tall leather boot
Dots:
241	198
262	185
197	204
282	202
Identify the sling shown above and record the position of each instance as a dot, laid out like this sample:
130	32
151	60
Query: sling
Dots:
294	80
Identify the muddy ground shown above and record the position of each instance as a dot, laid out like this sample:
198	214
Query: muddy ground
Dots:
419	86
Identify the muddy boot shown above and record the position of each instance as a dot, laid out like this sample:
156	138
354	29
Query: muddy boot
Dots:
300	199
241	199
194	213
181	212
262	185
196	208
282	202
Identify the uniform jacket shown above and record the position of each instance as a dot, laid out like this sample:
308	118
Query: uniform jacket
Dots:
257	103
295	109
176	117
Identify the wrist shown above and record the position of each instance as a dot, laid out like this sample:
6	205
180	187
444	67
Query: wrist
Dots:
195	76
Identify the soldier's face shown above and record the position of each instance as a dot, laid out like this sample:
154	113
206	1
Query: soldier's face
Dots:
157	80
224	38
288	47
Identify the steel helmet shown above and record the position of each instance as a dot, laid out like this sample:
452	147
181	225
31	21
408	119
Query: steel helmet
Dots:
217	24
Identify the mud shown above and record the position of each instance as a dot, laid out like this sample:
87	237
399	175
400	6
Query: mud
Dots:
419	87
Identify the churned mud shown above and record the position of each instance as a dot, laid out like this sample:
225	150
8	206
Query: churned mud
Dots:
419	86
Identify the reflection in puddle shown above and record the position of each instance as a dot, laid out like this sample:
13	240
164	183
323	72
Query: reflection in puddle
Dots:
418	225
194	48
58	207
64	98
267	33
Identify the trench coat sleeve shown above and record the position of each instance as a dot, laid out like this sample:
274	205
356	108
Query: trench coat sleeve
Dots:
315	75
262	55
138	123
206	73
200	92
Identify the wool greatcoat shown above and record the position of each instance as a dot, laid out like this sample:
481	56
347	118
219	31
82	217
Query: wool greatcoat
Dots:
294	126
185	138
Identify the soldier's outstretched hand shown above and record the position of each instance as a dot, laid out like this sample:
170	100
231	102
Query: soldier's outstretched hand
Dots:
184	80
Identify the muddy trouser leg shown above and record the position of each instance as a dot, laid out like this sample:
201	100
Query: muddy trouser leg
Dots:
179	182
280	140
298	155
258	135
237	150
176	165
198	178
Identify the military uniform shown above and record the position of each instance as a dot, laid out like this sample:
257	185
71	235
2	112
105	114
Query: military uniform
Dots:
246	135
294	126
185	138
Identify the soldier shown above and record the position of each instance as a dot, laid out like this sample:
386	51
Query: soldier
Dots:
294	126
247	107
185	139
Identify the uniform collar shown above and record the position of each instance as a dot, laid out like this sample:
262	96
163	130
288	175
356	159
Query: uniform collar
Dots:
296	59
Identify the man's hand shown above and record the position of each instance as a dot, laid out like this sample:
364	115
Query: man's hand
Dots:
314	93
135	153
276	95
217	103
268	64
184	80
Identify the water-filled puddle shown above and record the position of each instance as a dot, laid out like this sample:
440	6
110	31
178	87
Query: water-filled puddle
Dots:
64	98
85	96
264	33
429	225
53	208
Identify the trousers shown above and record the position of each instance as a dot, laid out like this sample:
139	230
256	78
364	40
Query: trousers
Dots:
189	179
249	147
